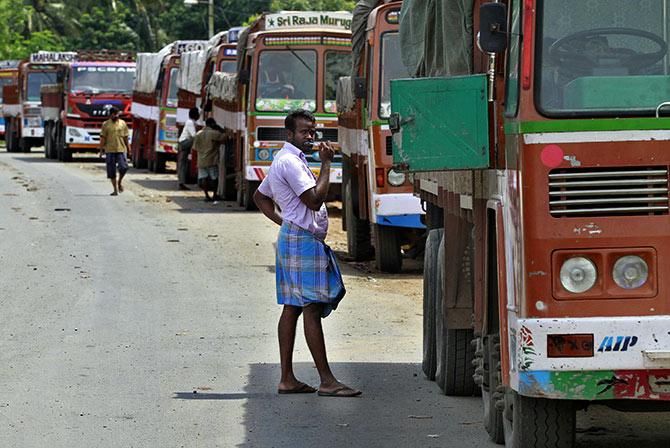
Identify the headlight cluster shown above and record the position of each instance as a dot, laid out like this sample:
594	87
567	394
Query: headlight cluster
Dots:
579	274
34	122
73	132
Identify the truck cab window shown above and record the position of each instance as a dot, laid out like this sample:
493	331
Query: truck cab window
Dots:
514	53
338	64
172	91
286	80
102	79
35	81
590	63
391	68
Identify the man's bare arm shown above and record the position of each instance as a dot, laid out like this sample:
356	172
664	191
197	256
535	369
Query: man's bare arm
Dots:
267	207
315	197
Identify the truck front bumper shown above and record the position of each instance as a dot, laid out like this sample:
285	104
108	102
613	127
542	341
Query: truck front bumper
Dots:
630	358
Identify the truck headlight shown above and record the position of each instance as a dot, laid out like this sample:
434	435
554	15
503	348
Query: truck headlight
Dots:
34	122
73	132
578	274
396	179
630	272
263	154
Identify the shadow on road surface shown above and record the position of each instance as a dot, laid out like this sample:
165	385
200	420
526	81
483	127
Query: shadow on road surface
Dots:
399	408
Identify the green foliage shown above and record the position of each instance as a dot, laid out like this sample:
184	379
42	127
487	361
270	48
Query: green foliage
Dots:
16	40
27	26
312	5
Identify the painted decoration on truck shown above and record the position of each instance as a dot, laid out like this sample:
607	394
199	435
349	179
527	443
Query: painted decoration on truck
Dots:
527	347
278	105
597	384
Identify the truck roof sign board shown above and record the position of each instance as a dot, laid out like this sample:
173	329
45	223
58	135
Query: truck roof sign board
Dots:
9	64
53	56
308	19
182	46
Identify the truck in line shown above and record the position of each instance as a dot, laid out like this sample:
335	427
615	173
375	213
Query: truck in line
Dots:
8	76
22	104
286	60
539	146
154	105
195	71
380	212
74	108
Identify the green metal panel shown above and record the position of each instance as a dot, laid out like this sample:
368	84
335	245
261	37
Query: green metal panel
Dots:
440	123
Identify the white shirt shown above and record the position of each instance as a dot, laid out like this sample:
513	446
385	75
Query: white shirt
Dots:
188	131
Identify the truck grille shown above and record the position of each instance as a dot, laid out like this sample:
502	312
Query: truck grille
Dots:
279	134
608	191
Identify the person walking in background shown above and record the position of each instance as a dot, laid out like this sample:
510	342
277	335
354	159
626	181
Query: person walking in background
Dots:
185	144
307	275
206	143
114	145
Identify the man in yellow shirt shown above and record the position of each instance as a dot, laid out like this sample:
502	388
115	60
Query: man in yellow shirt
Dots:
114	143
206	143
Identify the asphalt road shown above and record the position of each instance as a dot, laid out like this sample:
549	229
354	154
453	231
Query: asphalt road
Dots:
148	320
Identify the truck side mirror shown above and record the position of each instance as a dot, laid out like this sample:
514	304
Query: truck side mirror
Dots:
360	88
492	36
243	77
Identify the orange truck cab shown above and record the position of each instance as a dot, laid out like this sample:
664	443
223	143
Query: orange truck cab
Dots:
9	73
74	108
538	137
154	106
376	199
22	107
286	60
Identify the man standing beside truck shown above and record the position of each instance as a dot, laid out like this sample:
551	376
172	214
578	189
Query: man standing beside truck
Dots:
308	279
206	143
114	143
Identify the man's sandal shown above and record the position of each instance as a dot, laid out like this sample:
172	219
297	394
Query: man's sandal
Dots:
343	391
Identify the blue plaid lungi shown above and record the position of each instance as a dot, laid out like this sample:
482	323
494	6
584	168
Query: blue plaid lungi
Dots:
307	270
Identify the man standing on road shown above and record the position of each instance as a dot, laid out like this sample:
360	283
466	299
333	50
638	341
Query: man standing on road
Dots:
114	143
207	143
307	275
185	145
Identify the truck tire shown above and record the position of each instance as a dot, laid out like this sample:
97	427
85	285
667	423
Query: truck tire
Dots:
245	195
359	242
24	146
388	256
455	353
9	136
47	139
159	163
431	289
491	389
538	422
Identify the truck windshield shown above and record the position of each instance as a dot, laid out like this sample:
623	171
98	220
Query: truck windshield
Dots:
286	80
338	64
35	81
599	60
102	79
392	68
5	81
172	90
228	66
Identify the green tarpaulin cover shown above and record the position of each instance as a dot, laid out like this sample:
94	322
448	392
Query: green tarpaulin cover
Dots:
436	37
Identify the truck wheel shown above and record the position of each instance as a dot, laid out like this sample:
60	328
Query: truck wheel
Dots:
538	422
245	195
229	193
24	146
9	136
159	163
47	140
359	243
151	165
66	154
455	353
492	389
431	293
388	256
